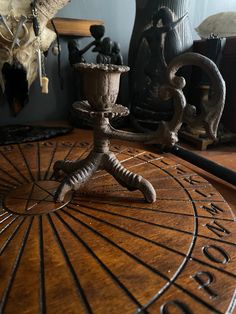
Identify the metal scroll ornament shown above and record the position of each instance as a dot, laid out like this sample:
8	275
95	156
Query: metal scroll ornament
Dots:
101	87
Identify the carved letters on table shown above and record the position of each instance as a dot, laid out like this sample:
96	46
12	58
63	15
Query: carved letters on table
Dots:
213	253
205	282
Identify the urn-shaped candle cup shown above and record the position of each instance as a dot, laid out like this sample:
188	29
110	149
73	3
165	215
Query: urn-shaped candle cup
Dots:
101	84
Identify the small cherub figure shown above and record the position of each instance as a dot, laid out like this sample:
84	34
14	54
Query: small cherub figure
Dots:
105	54
75	54
116	57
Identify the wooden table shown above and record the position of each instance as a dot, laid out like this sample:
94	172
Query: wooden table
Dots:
104	249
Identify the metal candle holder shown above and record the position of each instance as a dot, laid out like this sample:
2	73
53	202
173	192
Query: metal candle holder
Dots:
101	87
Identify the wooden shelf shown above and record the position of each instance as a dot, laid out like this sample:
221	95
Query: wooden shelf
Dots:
73	27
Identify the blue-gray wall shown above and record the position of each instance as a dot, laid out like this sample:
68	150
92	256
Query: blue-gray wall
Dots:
118	16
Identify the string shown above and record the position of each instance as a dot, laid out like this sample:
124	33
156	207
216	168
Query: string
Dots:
58	56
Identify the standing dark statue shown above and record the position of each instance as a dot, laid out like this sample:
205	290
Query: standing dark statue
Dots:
162	43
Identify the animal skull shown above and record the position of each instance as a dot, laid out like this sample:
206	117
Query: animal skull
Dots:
21	59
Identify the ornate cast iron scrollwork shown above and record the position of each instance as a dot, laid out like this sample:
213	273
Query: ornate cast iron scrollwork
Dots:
210	115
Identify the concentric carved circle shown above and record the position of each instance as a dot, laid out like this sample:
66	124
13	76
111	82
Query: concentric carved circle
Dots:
105	250
35	198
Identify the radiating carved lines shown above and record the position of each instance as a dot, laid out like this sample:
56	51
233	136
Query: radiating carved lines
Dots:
16	169
152	223
156	210
50	162
15	267
26	162
8	225
7	184
11	237
98	260
167	248
4	213
42	293
122	229
132	218
11	176
70	266
154	270
5	218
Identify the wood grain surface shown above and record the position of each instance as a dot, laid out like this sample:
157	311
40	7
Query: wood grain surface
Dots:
73	27
104	250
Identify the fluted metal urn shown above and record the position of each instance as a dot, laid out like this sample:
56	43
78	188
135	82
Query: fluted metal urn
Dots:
101	84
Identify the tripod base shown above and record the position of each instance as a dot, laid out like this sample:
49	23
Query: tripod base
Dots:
78	172
100	158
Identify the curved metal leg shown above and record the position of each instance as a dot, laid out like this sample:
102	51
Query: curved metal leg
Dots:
78	176
62	167
128	179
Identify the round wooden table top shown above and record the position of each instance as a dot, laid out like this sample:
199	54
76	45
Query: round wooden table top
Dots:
104	250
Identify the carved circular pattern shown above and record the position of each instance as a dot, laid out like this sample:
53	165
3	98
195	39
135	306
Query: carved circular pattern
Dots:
104	250
35	198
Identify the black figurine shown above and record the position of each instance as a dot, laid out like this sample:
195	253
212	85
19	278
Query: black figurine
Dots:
163	42
108	51
105	54
116	56
75	54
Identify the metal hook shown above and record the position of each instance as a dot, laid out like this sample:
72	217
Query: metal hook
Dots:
16	40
